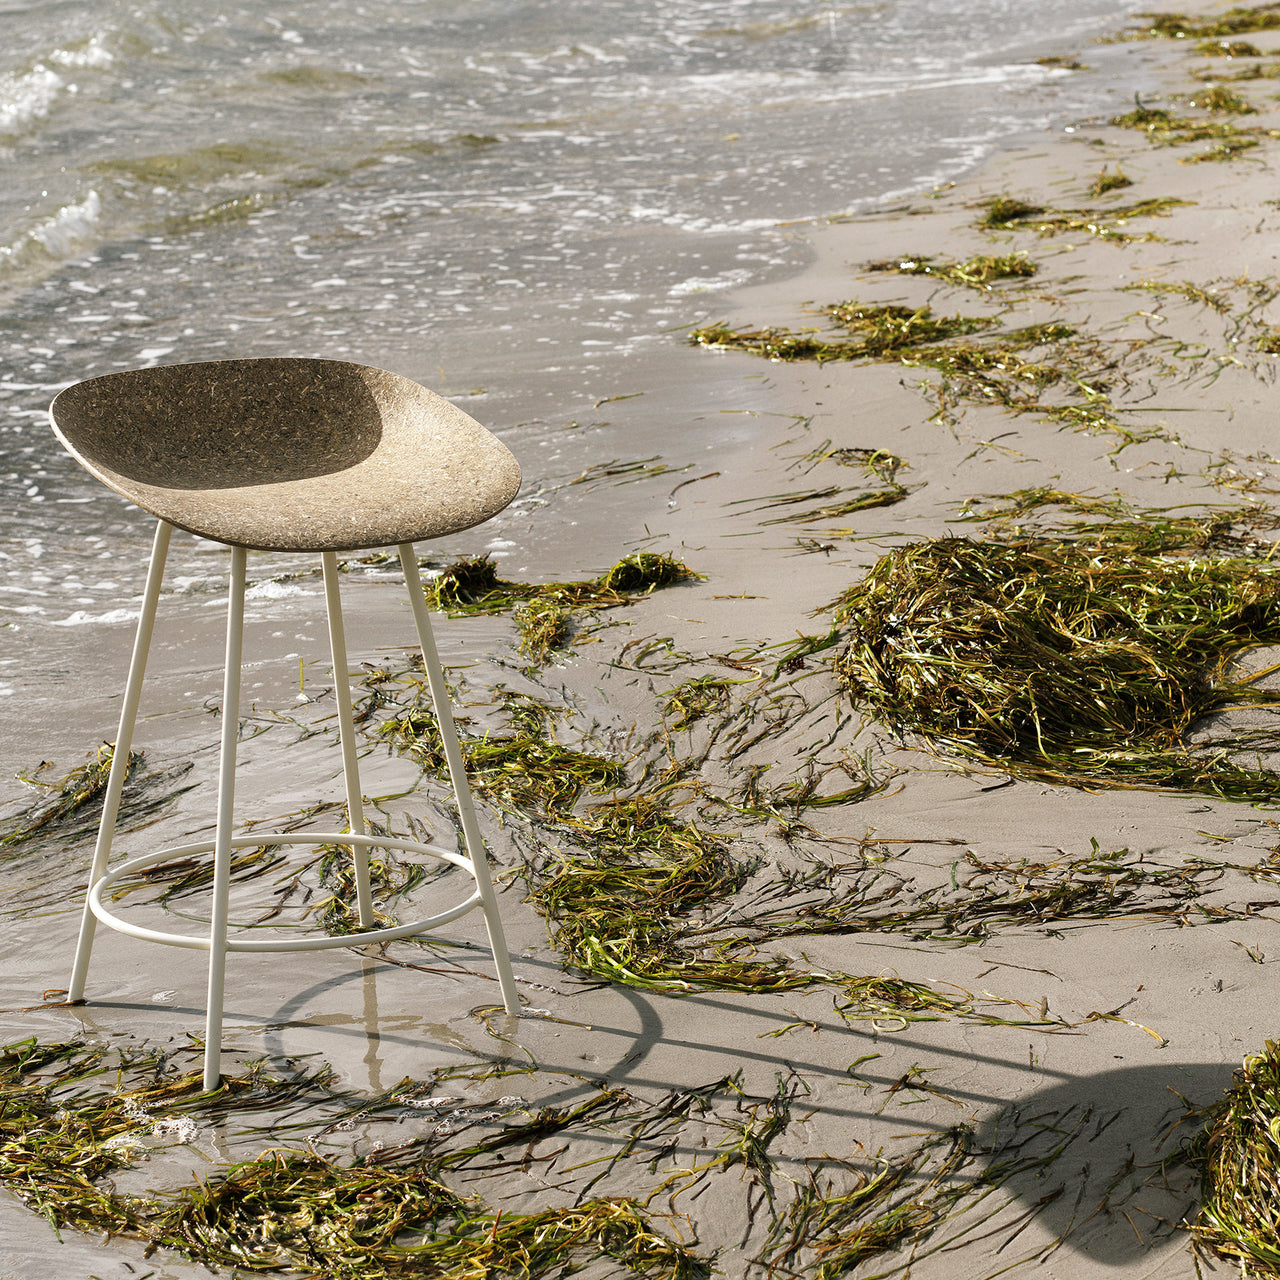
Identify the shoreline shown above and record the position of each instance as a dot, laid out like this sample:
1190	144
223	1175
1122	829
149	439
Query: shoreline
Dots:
1100	1020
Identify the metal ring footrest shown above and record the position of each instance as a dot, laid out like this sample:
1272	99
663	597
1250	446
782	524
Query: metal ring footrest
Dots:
282	944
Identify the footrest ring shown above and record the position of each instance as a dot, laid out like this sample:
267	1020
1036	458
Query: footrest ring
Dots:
326	943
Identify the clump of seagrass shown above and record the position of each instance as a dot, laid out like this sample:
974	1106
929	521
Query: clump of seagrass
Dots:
975	273
544	611
1071	663
1237	1155
1009	213
1178	26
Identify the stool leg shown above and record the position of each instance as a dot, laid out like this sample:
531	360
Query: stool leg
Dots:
120	754
226	806
458	776
347	737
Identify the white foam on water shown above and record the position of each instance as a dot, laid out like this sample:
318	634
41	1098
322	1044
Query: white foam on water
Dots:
81	618
62	235
92	54
708	284
70	227
275	591
28	97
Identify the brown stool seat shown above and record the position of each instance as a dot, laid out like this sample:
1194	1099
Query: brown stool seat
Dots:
287	454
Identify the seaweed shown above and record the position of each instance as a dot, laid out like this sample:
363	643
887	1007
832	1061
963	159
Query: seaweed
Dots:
1008	213
1185	289
1228	149
299	1211
888	497
696	699
877	462
1228	49
1218	100
876	332
1085	664
976	273
1163	128
524	767
981	896
826	1232
387	1216
1236	21
69	808
620	908
995	370
390	876
1236	1153
1107	181
544	612
618	472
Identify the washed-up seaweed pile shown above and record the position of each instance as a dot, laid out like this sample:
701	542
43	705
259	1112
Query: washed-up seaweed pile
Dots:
1236	1153
1087	663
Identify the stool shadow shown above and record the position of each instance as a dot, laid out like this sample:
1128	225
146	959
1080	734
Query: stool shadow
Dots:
1107	1195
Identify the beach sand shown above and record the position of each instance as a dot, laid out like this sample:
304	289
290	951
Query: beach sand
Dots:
1118	1020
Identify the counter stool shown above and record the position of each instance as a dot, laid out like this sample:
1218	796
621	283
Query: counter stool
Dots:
285	454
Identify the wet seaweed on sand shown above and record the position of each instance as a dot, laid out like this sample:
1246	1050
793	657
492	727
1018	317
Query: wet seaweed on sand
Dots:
1236	1153
388	1216
545	611
1009	213
979	272
1064	662
1235	21
69	809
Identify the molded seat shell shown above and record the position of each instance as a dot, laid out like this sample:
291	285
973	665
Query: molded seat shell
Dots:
287	453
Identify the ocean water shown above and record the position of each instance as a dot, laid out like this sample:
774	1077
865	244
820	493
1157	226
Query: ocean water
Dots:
519	204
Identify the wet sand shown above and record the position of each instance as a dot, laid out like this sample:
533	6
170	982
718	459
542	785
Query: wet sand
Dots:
1149	1010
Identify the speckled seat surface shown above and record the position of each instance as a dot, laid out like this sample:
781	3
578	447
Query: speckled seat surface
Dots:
287	453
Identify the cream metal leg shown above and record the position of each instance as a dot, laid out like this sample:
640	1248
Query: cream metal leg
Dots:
347	737
120	754
458	776
226	819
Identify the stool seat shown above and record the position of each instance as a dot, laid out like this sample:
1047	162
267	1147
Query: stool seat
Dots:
287	454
